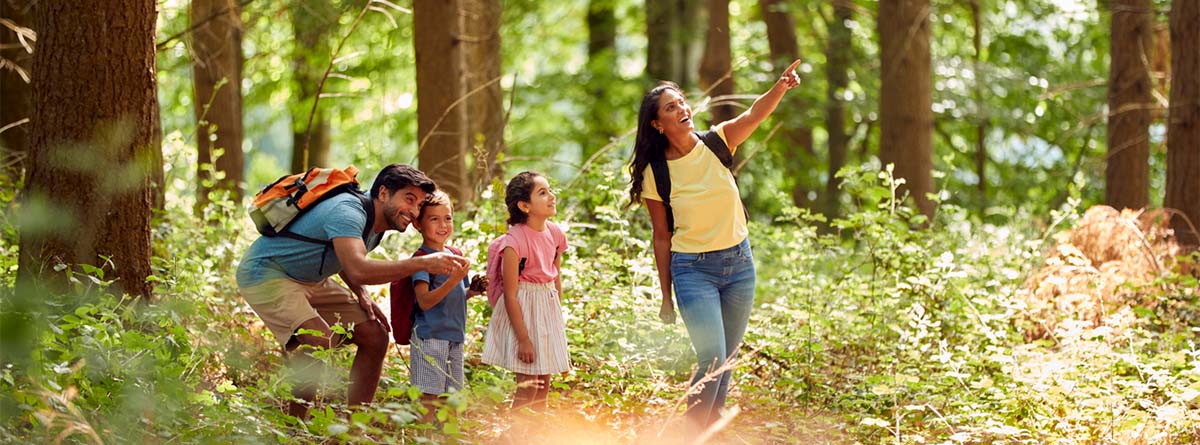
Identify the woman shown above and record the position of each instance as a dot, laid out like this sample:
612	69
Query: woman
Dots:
701	243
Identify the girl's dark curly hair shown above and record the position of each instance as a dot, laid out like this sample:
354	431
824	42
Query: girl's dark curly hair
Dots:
520	188
650	144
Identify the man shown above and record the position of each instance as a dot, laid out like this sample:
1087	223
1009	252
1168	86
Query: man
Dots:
287	280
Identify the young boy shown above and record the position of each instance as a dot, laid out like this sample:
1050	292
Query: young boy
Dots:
439	320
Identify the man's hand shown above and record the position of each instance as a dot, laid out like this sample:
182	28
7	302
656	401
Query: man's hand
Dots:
374	313
458	274
443	263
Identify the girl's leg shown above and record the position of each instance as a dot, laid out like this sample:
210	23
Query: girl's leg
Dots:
527	391
539	403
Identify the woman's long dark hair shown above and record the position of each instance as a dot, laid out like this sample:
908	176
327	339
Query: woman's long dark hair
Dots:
650	144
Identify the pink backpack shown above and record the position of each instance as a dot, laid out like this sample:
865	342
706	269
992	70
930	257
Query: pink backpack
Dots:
495	273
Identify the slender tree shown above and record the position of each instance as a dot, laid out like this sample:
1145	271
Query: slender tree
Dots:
16	57
217	84
981	124
93	140
1183	128
441	118
1127	171
837	66
485	107
716	66
313	23
906	112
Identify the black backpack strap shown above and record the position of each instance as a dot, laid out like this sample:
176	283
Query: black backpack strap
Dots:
369	207
662	184
713	141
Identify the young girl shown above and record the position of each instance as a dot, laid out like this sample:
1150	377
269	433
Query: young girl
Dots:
440	318
526	334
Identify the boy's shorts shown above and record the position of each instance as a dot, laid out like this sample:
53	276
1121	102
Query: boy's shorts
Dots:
284	304
437	365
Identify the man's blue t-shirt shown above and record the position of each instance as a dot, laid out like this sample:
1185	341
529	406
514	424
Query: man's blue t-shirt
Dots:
269	258
446	320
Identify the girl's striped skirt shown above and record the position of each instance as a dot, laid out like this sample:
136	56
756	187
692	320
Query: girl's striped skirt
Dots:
544	321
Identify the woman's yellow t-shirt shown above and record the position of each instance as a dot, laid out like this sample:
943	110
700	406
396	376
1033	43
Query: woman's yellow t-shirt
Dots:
704	199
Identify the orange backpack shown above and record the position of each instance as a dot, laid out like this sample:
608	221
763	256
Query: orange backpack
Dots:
278	205
404	301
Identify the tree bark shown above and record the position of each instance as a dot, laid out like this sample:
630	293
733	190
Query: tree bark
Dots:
217	84
93	140
313	22
673	46
485	108
1127	170
14	89
1183	127
837	63
602	73
441	124
716	67
981	124
906	113
781	39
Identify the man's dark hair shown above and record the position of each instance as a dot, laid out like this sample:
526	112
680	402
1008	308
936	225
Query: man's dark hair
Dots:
398	176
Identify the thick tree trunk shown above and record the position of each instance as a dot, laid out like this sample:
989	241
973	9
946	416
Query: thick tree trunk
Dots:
313	22
673	45
1127	171
441	124
716	67
485	108
906	113
217	84
1183	128
837	63
602	56
93	137
15	88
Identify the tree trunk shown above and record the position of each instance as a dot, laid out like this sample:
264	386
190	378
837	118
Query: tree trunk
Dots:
217	83
14	88
716	67
1127	171
1183	128
313	22
797	137
602	56
906	113
978	91
837	63
485	108
441	124
673	46
93	136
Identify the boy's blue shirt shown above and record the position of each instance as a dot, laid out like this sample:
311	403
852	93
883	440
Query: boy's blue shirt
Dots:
446	320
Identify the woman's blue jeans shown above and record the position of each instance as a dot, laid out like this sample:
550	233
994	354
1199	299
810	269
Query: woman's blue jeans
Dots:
714	292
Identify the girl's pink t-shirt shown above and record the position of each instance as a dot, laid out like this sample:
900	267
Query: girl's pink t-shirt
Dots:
542	248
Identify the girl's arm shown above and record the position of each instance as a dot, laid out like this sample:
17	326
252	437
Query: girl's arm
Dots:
662	256
558	279
509	265
738	129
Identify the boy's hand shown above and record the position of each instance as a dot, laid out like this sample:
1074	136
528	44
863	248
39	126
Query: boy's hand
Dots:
457	274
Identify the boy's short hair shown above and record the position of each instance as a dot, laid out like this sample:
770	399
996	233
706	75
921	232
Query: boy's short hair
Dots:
438	197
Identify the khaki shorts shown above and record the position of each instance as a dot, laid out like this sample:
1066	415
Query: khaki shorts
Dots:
284	304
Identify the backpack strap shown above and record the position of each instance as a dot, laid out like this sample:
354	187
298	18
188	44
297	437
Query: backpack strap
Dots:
662	184
715	144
